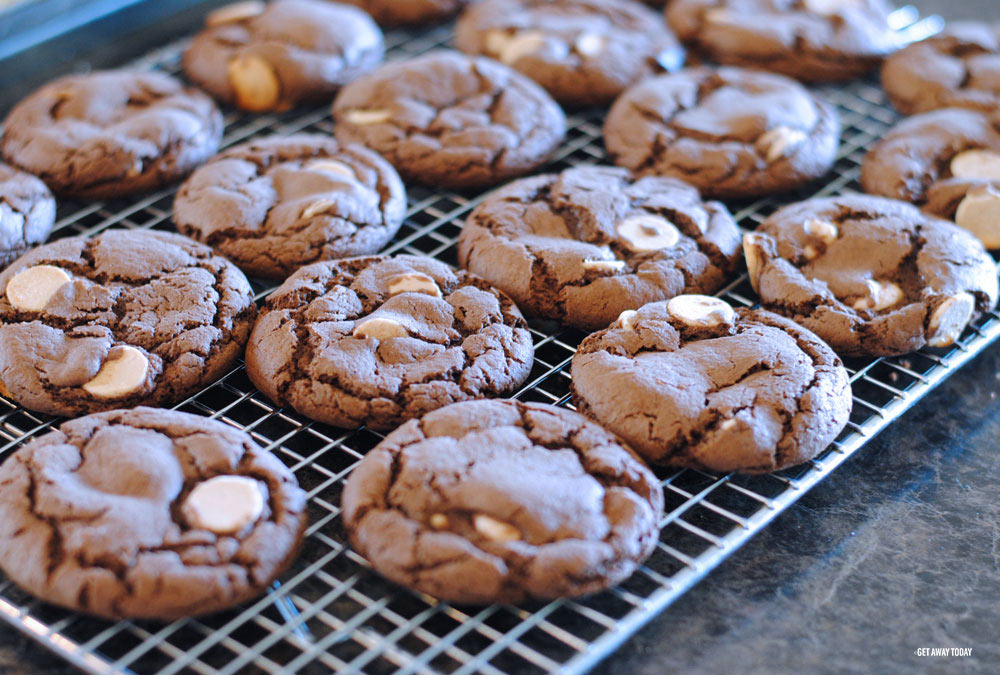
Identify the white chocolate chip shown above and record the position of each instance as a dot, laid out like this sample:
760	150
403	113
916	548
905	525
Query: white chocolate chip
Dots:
238	11
122	374
254	83
496	40
317	207
720	15
627	319
728	424
331	166
979	164
700	219
414	282
949	319
646	233
881	295
439	521
224	504
32	289
979	213
779	142
367	117
495	530
609	266
379	328
823	230
590	44
701	311
520	45
751	251
827	7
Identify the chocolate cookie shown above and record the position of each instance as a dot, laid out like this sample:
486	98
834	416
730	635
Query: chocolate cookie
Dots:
27	213
584	52
871	276
146	513
111	133
376	341
692	382
959	67
502	501
811	40
948	162
450	120
126	318
732	133
274	205
409	12
584	245
272	56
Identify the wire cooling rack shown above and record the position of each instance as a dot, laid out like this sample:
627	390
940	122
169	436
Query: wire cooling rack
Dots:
330	611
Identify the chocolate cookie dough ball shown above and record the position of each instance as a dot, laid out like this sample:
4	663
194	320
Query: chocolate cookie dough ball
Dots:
273	56
693	382
147	514
869	275
502	501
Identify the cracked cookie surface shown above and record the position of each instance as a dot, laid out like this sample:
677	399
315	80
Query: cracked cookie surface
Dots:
584	52
811	40
125	318
502	501
376	341
450	120
730	132
752	393
27	213
111	133
945	161
92	516
275	205
584	245
409	12
959	67
871	276
275	56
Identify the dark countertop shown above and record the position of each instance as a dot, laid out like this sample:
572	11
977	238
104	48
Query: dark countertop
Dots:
898	550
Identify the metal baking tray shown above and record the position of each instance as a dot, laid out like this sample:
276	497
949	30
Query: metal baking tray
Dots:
330	611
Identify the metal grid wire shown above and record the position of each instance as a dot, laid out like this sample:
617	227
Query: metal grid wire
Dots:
331	612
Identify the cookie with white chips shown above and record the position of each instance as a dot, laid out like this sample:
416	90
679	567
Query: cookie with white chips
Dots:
871	276
125	318
693	382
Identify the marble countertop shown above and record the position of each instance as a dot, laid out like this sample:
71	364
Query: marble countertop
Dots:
896	551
